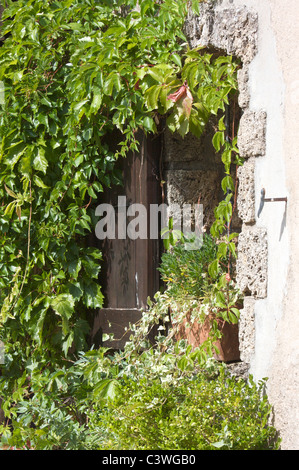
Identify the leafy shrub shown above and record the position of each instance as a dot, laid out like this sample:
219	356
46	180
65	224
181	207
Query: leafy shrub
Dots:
53	409
186	271
96	405
203	413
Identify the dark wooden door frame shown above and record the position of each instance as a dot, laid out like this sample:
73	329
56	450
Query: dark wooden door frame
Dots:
130	273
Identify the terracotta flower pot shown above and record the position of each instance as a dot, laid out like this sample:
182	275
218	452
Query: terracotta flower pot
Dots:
196	333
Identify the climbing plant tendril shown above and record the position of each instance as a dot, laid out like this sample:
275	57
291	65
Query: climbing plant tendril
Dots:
73	72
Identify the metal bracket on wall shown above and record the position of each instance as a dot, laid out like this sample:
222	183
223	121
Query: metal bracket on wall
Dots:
270	199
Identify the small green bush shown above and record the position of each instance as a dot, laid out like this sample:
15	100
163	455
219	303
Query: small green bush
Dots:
96	405
198	414
186	271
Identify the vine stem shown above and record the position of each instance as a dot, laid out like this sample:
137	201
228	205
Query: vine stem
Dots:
233	210
236	186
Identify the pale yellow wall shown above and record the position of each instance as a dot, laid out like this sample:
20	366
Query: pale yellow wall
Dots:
274	87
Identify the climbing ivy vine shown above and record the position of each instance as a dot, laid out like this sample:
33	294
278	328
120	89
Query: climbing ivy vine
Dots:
74	72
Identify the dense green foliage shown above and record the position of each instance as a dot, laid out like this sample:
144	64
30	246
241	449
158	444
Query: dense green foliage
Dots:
203	413
74	72
100	403
71	71
186	271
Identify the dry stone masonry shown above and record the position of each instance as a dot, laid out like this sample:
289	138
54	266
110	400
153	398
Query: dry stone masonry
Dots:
252	262
246	192
247	330
252	134
234	30
192	173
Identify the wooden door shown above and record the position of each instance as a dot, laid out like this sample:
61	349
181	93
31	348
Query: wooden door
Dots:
129	274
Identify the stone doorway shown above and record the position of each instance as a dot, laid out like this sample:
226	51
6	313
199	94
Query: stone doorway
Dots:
234	30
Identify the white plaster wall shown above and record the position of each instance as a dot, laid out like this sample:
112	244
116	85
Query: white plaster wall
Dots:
274	88
267	92
284	372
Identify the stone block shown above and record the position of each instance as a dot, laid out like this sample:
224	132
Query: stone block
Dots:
233	30
252	134
194	187
246	192
198	153
252	262
247	330
243	87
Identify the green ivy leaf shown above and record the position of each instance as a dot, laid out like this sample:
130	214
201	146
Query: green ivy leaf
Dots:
113	82
196	7
232	248
227	184
152	96
39	182
149	124
176	59
106	389
93	297
63	305
221	125
97	100
14	153
214	269
183	363
218	140
222	250
40	163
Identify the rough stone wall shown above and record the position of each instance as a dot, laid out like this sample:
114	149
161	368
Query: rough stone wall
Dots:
247	331
192	172
234	31
252	134
246	191
231	29
252	262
